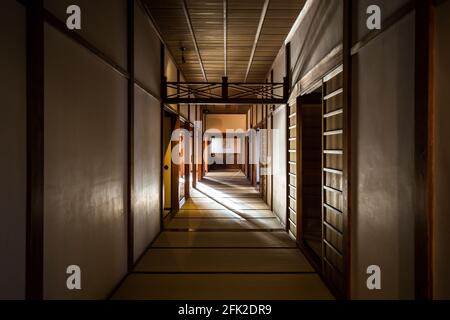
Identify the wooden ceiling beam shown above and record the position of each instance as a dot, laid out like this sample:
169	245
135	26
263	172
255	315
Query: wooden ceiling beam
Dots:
225	36
194	39
258	33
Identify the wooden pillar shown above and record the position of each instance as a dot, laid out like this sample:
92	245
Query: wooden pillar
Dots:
423	149
130	133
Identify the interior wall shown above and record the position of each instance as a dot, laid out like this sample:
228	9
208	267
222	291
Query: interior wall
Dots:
279	163
147	171
442	155
359	8
382	217
279	69
316	36
170	72
86	149
147	53
13	146
147	135
103	28
224	122
85	170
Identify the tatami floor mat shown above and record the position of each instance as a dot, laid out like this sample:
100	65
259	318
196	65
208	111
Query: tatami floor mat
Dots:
243	224
223	287
224	239
224	243
223	260
218	213
230	200
204	205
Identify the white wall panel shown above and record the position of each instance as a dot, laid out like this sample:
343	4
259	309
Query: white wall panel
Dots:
85	170
279	163
147	53
103	23
147	171
383	163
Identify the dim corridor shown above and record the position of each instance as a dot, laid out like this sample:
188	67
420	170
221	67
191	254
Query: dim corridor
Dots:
224	243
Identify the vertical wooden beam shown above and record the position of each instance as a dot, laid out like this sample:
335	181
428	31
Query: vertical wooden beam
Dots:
178	90
286	94
175	171
288	156
35	151
187	150
162	71
423	153
347	143
299	168
288	67
225	37
271	152
195	148
130	133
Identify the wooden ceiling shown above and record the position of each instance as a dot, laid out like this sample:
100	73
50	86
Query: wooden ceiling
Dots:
219	34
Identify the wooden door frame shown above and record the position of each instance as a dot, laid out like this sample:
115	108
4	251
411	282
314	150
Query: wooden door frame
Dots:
187	166
424	148
175	170
311	254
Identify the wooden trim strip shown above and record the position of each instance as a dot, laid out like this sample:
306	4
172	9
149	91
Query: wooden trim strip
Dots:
333	248
333	73
327	206
335	152
144	88
61	27
334	171
333	133
333	113
330	189
329	226
332	266
333	94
